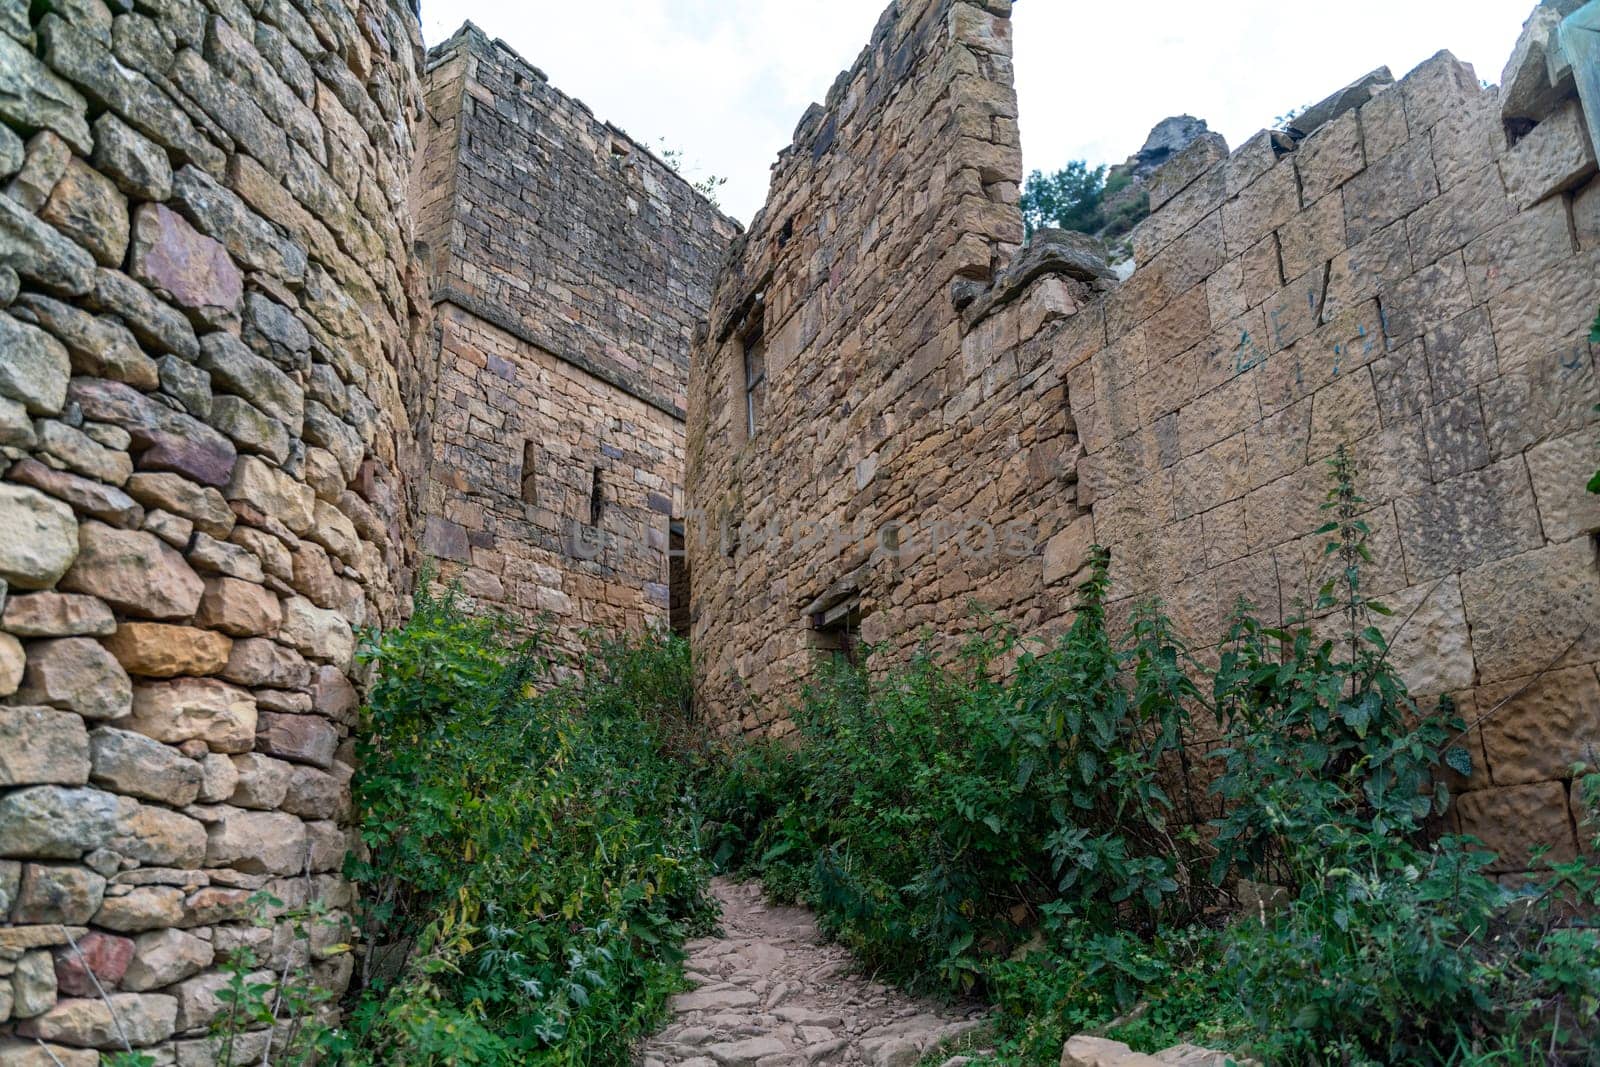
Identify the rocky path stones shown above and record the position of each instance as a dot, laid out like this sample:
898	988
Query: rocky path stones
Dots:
769	992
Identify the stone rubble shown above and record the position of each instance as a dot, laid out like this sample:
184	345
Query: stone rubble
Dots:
770	992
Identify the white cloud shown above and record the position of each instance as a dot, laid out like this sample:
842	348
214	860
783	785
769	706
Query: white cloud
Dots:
727	80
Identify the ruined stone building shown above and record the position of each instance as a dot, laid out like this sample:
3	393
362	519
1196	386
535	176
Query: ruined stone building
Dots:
287	305
569	269
898	419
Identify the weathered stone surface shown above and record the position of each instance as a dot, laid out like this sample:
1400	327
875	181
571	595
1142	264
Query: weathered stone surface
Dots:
1555	156
57	615
317	794
56	893
301	738
42	746
162	957
36	367
139	766
241	609
40	254
160	837
97	957
272	492
201	503
211	556
86	497
262	781
1533	610
218	778
1514	820
33	97
13	663
83	454
96	346
249	238
221	715
143	1018
52	822
87	207
333	695
257	842
1538	727
42	167
172	258
76	674
137	164
38	538
158	650
33	983
135	572
15	1052
147	907
258	661
152	321
318	633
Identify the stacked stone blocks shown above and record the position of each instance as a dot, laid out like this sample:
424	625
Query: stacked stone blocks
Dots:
1414	277
206	307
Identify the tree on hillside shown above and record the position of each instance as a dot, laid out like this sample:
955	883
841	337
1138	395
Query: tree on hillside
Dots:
1070	198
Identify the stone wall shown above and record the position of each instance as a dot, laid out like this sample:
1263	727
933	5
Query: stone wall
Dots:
905	180
570	267
1415	278
209	417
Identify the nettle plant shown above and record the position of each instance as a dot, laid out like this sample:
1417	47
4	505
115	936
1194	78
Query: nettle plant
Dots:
1032	835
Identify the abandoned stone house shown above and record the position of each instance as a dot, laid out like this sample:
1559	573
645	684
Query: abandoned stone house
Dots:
287	305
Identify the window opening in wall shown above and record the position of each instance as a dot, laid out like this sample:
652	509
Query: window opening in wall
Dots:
530	472
837	630
677	580
597	499
755	379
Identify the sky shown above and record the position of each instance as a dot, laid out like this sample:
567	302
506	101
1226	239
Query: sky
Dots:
725	81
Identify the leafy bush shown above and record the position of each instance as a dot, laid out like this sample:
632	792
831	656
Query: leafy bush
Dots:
1017	835
531	863
1069	198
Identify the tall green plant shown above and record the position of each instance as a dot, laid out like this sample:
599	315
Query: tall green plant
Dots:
531	862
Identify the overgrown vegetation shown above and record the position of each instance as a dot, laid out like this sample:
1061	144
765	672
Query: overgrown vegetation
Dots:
1242	848
531	866
1030	836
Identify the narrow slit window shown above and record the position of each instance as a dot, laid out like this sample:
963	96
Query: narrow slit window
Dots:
755	381
597	499
530	473
837	630
677	580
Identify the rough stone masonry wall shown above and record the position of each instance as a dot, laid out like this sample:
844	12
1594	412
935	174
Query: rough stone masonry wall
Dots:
1412	280
207	400
905	180
570	267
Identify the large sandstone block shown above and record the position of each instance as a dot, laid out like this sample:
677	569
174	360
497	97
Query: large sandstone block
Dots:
54	893
239	608
36	368
273	493
1554	156
160	837
52	822
1513	821
301	738
42	746
88	208
162	957
57	615
1541	726
159	650
97	957
171	257
318	633
166	440
139	766
134	572
1534	610
257	842
142	1018
76	674
196	709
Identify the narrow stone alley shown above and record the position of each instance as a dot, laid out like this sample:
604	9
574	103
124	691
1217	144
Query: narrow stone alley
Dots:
770	992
